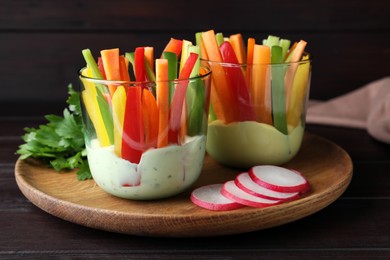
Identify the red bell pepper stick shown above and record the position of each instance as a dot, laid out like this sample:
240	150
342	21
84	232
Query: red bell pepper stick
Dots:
237	83
178	99
133	131
139	62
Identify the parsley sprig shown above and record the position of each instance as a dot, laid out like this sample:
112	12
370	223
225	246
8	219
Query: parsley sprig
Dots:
59	142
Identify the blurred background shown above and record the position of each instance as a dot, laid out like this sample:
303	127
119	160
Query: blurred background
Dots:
41	41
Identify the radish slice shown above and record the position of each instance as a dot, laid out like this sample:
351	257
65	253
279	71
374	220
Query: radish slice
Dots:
210	197
279	179
245	182
231	191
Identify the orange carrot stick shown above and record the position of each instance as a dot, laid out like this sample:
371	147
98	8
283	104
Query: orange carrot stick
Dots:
261	87
162	93
124	68
249	61
174	46
149	56
238	46
289	53
150	116
110	58
199	42
223	90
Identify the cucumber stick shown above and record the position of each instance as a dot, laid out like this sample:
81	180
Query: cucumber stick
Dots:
195	98
100	90
278	92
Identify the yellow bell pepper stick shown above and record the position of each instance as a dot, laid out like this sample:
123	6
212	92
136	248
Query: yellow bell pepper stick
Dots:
298	93
118	114
89	96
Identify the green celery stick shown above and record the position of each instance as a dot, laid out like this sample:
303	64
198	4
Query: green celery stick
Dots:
198	40
195	99
212	114
172	64
278	92
195	70
100	89
285	44
289	56
220	39
149	72
92	64
184	53
106	115
130	57
172	70
272	40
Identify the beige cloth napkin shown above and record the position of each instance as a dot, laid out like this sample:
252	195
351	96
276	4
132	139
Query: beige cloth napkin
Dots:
366	108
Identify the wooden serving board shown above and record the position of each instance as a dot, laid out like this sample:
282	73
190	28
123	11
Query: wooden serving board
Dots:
327	167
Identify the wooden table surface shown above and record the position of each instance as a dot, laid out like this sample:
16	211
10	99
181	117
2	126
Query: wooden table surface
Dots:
355	226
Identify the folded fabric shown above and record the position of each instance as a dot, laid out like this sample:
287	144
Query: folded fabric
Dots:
366	108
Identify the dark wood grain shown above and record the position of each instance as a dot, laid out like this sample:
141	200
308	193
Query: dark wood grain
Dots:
177	15
329	174
40	44
349	39
356	226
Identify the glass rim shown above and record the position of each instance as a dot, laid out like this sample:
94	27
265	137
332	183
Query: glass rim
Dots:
131	83
229	64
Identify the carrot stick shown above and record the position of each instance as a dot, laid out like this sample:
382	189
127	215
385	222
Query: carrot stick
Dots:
238	46
162	93
124	68
110	60
249	61
199	42
261	88
174	46
150	119
225	95
289	53
149	56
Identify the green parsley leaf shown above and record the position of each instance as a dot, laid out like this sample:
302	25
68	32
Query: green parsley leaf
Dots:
59	142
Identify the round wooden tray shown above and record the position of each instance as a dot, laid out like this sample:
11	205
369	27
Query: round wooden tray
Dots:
327	167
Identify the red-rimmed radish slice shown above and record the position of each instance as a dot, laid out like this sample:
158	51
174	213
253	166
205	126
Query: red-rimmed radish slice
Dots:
245	182
210	197
231	191
279	179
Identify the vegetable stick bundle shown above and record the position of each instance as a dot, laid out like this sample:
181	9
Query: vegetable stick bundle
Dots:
267	85
163	104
